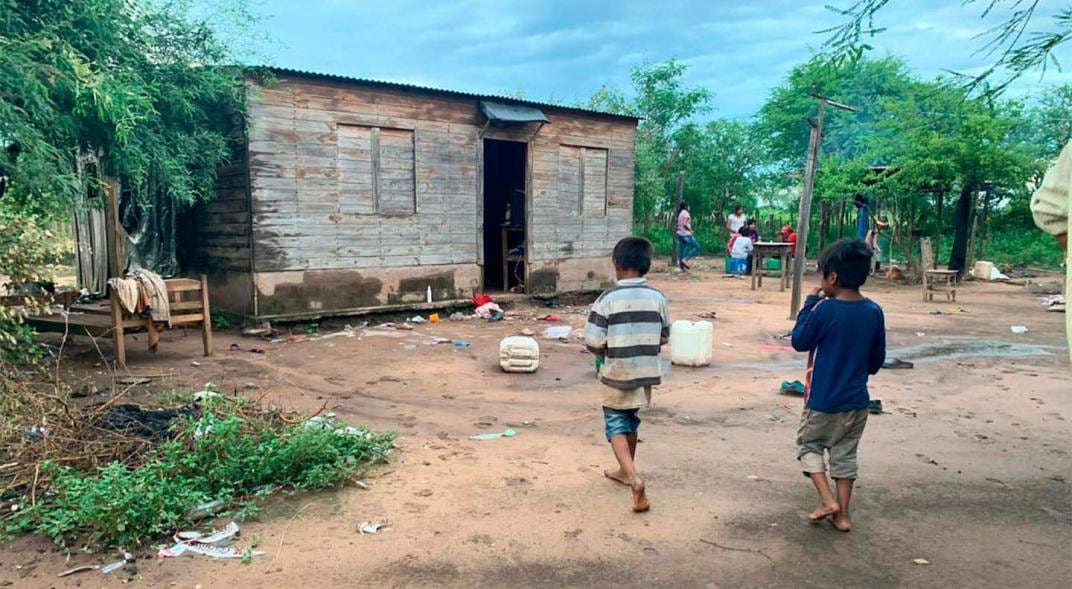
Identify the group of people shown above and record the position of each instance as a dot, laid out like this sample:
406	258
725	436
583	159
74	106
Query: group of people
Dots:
744	233
629	323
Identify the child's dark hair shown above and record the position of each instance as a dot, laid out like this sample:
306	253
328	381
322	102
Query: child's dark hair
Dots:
850	258
633	253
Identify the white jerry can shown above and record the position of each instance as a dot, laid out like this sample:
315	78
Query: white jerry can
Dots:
692	343
519	354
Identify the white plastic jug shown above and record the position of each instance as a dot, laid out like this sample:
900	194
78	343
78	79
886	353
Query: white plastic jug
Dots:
692	343
519	354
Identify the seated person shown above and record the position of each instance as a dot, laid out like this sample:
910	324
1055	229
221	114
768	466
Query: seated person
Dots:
751	230
789	236
741	248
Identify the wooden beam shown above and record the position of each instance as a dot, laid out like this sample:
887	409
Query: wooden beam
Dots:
804	212
114	233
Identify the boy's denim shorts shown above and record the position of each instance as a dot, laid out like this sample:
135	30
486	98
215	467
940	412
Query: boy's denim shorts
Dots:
620	421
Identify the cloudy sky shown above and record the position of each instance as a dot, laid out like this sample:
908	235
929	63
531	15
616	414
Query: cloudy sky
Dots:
566	49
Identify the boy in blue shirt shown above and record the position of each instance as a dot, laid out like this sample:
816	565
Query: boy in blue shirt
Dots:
845	335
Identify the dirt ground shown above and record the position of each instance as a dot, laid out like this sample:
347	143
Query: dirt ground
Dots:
969	467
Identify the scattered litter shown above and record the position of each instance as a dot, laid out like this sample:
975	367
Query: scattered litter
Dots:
496	316
486	310
792	388
753	477
776	348
203	510
103	568
897	364
459	316
551	318
875	406
439	340
206	392
996	274
920	561
509	433
907	412
558	332
404	327
1056	303
346	332
297	339
261	330
367	528
434	318
1018	329
527	332
920	334
198	543
417	319
708	315
462	345
363	485
727	344
195	364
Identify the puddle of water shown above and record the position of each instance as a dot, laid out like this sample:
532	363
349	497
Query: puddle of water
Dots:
923	353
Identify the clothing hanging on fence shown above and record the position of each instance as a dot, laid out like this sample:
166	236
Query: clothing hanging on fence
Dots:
91	250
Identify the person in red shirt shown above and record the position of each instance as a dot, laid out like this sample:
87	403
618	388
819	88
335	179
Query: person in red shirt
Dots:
790	236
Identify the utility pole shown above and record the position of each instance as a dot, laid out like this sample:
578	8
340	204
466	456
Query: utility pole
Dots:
673	219
804	212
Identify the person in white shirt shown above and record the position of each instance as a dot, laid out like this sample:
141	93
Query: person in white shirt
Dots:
737	220
742	247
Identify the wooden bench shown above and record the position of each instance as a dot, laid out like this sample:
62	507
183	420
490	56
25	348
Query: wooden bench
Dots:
187	297
935	279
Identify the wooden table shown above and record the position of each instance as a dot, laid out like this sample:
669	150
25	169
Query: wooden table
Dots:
770	249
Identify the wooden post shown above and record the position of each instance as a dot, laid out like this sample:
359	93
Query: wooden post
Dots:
804	213
938	224
206	317
113	229
674	259
117	331
970	261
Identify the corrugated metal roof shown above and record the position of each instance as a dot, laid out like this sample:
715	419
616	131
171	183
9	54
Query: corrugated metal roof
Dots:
403	86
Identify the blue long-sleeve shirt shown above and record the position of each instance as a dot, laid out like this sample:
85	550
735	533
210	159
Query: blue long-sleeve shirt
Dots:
847	343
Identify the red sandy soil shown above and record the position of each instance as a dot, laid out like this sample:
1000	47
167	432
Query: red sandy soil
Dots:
968	469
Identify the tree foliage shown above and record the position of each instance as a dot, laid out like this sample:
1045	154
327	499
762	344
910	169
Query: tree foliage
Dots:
138	87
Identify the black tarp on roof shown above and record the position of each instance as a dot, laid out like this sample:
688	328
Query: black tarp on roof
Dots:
499	112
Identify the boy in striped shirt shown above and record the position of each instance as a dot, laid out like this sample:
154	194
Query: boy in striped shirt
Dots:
627	327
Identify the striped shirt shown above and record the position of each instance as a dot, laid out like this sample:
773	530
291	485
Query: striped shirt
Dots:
628	325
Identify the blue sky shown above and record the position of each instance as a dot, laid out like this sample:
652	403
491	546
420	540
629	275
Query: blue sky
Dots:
566	49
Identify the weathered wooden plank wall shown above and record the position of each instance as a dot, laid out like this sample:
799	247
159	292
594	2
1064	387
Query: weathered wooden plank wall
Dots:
350	176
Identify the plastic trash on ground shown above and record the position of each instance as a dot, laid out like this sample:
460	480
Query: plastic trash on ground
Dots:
198	543
495	436
1018	329
558	332
519	354
372	527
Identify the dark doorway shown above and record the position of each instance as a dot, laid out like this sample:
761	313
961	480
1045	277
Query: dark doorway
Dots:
504	215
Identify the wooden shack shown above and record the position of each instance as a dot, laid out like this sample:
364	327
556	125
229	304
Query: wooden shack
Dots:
355	195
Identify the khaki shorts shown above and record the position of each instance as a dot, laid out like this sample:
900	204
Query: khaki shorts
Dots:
836	433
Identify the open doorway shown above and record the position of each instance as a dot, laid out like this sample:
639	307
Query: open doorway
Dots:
504	215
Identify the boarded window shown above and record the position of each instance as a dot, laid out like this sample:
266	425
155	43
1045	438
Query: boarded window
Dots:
582	180
376	170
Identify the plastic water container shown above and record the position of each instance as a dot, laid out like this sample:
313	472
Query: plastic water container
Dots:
519	354
983	270
692	343
738	266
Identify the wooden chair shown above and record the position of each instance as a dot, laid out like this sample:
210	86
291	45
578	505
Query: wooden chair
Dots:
935	279
187	297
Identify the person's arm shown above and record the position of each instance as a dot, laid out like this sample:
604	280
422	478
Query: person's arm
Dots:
595	331
748	245
878	346
664	311
1049	204
810	324
728	227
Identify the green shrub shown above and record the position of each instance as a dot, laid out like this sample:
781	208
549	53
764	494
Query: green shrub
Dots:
221	455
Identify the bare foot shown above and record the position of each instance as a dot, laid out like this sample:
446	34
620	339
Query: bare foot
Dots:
618	476
823	511
841	522
640	499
